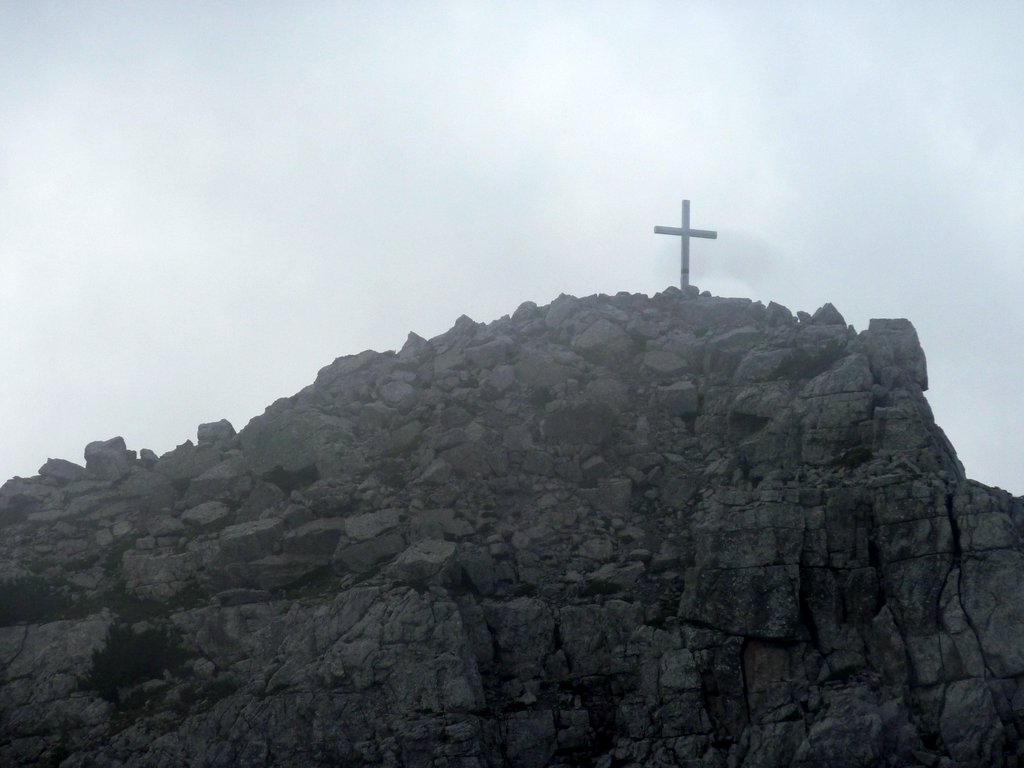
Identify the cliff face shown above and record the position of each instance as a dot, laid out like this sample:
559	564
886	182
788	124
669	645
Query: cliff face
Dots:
614	531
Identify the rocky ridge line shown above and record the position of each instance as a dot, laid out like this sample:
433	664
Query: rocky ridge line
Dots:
618	530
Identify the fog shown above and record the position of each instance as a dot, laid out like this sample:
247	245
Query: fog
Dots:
201	204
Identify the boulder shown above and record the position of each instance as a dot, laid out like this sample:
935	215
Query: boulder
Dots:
215	433
895	353
427	562
187	461
62	471
207	513
20	497
664	361
827	314
250	540
360	556
300	442
602	341
230	479
108	459
316	540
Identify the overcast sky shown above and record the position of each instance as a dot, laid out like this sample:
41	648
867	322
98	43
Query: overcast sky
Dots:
203	203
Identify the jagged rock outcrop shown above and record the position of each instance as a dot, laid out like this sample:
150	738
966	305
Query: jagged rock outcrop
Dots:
613	531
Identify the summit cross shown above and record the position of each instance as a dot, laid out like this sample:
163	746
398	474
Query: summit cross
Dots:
685	233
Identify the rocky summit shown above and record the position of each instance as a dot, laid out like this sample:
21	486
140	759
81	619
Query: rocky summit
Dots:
623	530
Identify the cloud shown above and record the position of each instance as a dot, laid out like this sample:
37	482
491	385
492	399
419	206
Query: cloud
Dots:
199	207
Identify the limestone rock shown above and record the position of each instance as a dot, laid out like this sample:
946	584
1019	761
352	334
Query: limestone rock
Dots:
616	530
603	340
427	561
62	471
187	461
229	479
895	352
302	443
108	459
21	497
215	432
827	314
207	513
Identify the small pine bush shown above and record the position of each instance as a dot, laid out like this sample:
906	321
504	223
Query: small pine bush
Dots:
29	600
130	657
595	587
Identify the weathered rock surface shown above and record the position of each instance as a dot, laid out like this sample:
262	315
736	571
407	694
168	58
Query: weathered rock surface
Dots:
614	531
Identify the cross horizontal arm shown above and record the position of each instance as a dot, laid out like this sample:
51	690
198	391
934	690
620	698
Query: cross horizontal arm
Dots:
684	233
707	233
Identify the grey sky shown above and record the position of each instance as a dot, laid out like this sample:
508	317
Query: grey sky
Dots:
201	204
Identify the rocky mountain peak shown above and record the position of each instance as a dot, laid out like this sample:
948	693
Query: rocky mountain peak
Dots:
614	530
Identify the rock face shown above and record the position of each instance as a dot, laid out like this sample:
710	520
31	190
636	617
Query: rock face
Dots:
613	531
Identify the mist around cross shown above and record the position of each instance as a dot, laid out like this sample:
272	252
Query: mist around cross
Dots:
200	207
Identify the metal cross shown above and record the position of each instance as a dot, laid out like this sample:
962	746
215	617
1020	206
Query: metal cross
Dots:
685	233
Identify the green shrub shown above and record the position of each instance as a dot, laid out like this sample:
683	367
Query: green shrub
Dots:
199	696
31	599
58	753
130	657
843	674
111	562
292	480
599	587
854	457
315	582
666	612
129	607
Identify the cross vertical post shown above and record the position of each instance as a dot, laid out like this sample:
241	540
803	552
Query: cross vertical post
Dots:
684	269
685	233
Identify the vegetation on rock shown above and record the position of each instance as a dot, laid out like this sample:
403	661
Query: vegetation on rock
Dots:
130	657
